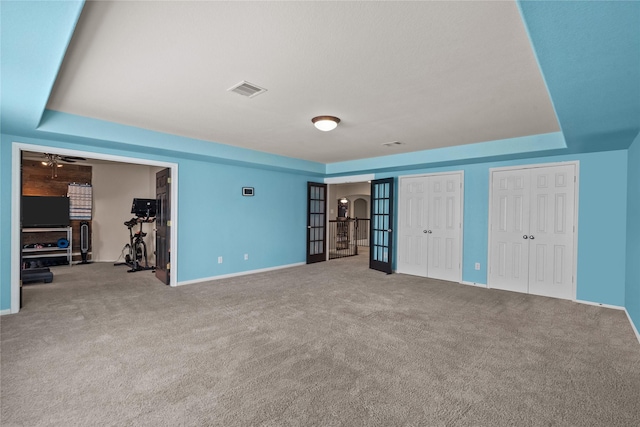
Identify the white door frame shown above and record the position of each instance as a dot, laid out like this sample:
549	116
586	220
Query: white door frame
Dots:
16	191
576	164
454	172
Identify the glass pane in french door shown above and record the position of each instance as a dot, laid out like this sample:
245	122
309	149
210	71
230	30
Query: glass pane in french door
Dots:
316	219
381	253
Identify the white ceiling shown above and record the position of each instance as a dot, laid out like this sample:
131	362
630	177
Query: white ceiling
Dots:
428	74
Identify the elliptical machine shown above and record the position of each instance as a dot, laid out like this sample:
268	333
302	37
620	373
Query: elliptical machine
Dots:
135	252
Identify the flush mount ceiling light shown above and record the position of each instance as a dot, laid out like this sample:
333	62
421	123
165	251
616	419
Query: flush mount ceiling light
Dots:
325	123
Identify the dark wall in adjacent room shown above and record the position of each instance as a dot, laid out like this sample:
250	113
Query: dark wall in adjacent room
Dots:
37	181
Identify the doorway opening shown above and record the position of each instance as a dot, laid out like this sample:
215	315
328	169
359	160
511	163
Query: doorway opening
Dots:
18	149
349	222
381	219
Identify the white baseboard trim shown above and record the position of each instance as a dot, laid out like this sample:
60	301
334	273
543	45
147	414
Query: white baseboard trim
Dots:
597	304
3	312
615	307
633	326
477	285
241	273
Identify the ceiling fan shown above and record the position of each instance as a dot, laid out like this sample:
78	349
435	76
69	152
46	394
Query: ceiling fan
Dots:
54	162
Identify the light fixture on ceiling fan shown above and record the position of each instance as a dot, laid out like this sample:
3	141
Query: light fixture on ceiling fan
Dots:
53	161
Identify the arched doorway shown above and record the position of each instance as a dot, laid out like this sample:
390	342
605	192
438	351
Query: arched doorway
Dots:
360	208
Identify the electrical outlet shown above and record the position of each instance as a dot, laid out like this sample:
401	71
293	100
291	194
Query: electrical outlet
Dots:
246	257
477	266
219	260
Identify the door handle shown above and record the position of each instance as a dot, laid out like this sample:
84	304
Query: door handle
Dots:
389	230
531	237
525	237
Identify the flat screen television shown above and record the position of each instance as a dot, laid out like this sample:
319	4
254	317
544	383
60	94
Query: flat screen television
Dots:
45	212
144	207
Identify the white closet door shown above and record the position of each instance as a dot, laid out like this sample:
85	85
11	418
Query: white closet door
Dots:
444	227
551	231
509	251
430	218
412	244
532	230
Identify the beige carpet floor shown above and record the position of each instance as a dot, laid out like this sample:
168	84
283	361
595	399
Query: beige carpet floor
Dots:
329	344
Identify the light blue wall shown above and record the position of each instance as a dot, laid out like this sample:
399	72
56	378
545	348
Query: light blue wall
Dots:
602	201
270	227
34	36
214	219
589	55
603	206
99	133
632	295
598	110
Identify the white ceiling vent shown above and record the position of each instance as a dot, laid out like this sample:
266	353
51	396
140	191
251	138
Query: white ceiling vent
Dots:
247	89
392	143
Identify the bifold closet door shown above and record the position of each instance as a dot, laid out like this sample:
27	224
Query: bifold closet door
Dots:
532	231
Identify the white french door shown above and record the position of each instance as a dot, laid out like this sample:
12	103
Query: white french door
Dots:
532	227
429	243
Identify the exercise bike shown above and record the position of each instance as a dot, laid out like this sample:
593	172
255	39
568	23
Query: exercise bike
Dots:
135	252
